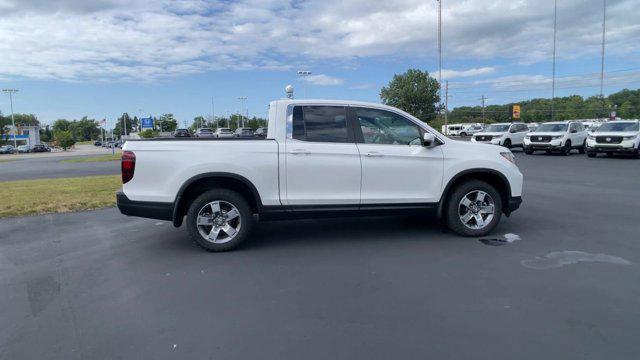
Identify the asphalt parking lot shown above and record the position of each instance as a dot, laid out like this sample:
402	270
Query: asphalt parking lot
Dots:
101	285
49	167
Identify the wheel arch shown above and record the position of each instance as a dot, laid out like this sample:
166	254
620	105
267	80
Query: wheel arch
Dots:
490	176
198	184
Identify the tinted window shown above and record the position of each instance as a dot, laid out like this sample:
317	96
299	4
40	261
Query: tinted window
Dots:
384	127
320	123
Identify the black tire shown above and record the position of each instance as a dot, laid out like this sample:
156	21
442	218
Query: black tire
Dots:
636	154
591	154
583	148
231	197
463	134
528	151
453	220
507	143
547	152
566	149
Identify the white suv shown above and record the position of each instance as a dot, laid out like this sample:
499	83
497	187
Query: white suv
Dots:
560	136
616	136
504	134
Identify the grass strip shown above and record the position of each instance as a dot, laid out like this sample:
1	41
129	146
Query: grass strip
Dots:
41	196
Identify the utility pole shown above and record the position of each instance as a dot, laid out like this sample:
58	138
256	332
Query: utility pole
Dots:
446	107
242	99
483	99
440	48
604	28
213	113
553	71
303	74
13	121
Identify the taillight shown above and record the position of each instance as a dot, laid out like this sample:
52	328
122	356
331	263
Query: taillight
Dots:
128	166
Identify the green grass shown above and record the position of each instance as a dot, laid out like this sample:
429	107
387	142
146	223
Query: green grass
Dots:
7	160
88	142
94	159
31	197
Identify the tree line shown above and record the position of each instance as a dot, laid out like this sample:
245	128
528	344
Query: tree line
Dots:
417	93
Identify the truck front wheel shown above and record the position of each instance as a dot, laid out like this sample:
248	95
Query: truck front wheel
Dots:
474	208
219	220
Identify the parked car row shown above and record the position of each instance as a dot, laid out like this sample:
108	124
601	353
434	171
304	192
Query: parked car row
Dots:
9	149
618	136
222	133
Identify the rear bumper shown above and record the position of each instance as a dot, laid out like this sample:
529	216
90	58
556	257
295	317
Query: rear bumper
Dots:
513	204
146	209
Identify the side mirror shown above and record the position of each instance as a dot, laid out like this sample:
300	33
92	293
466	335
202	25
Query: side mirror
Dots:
574	131
428	140
512	131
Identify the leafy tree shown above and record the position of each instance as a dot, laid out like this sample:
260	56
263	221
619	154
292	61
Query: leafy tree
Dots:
61	125
414	92
167	122
64	139
85	129
45	134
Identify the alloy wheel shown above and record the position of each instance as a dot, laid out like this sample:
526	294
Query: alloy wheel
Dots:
218	222
476	209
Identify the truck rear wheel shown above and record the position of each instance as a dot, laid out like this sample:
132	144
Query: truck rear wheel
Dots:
219	220
474	208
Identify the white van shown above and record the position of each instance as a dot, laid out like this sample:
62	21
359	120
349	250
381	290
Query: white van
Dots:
462	129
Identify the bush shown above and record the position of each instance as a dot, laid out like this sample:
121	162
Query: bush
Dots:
146	134
64	139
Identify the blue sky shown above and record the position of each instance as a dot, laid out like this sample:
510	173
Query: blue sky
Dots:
71	58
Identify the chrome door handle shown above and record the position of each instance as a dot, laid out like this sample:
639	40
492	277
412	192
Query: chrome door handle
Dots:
300	152
373	154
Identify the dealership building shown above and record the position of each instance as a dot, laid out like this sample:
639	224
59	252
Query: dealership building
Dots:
24	135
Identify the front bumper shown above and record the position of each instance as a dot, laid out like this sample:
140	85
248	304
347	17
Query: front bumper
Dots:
626	146
145	209
513	204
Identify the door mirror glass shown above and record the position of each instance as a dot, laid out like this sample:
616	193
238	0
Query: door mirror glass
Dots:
428	140
513	130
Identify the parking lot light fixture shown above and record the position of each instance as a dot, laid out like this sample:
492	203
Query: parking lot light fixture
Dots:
13	122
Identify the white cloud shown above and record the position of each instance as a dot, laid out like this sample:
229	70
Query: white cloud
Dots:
323	80
151	39
451	74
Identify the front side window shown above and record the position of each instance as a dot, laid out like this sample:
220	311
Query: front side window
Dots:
320	123
385	127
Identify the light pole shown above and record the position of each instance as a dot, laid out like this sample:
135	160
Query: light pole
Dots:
553	76
13	122
242	99
213	113
303	74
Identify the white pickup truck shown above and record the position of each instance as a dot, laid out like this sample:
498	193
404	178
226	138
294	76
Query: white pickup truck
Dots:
319	158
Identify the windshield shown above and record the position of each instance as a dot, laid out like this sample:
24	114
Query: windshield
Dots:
552	128
618	126
497	128
205	130
226	131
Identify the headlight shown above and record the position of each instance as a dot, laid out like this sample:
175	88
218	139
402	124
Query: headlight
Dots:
527	137
498	136
629	137
509	156
556	137
591	137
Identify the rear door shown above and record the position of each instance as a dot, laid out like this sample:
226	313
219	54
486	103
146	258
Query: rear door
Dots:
321	158
396	168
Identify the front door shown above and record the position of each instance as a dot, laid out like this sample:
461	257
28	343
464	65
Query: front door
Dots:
322	160
396	168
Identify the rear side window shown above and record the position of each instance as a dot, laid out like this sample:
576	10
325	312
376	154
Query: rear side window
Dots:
320	123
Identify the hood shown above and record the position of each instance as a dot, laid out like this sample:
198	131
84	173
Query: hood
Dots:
546	133
615	133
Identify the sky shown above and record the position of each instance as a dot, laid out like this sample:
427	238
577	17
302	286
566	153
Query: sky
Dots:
100	58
